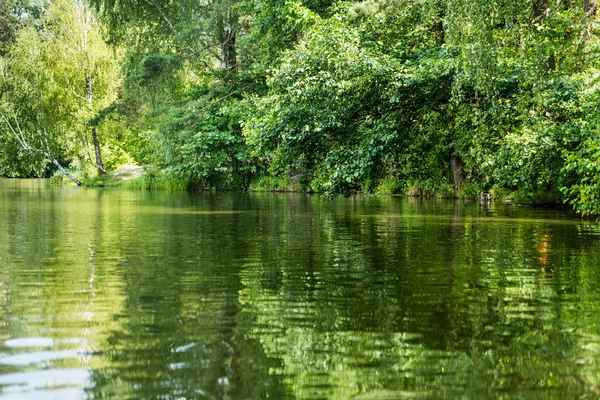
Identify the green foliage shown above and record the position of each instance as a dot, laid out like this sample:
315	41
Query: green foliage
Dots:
16	162
584	163
8	27
377	95
341	106
157	64
277	26
316	94
201	140
59	179
14	15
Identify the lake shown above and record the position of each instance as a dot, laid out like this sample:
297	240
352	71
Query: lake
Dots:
108	293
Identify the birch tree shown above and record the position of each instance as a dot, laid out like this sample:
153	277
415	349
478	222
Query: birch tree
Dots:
55	79
32	112
85	67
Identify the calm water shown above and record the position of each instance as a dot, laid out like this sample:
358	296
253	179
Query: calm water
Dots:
133	294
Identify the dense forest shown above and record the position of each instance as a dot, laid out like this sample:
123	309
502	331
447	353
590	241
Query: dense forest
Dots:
421	97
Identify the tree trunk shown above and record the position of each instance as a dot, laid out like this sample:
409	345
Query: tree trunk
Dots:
590	8
89	86
65	172
551	62
438	26
99	163
458	171
228	49
539	8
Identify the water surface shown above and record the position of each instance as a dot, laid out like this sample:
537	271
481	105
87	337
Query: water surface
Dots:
135	294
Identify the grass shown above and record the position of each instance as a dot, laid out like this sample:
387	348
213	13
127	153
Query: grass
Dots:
152	180
158	180
102	181
538	197
389	186
274	184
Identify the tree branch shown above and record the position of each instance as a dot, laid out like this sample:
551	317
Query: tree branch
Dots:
163	15
22	141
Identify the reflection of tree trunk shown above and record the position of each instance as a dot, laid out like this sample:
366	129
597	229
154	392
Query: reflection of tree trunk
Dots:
232	356
458	171
230	311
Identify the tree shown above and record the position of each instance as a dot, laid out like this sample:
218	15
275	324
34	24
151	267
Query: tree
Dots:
84	65
67	72
30	104
185	76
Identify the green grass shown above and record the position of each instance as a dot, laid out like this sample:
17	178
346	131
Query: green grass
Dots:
389	185
274	184
538	197
158	180
102	181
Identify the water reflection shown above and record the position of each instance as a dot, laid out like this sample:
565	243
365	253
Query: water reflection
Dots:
49	384
213	295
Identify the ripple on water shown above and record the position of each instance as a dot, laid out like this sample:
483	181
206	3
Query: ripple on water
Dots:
39	357
48	384
292	297
22	354
17	343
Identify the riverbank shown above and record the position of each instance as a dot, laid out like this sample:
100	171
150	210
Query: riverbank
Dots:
136	177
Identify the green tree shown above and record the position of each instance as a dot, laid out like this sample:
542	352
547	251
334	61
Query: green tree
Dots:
30	114
64	73
85	66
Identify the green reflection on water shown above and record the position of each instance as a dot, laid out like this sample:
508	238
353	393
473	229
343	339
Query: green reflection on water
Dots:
133	294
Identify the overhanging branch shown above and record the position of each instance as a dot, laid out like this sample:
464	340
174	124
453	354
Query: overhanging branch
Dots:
20	136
